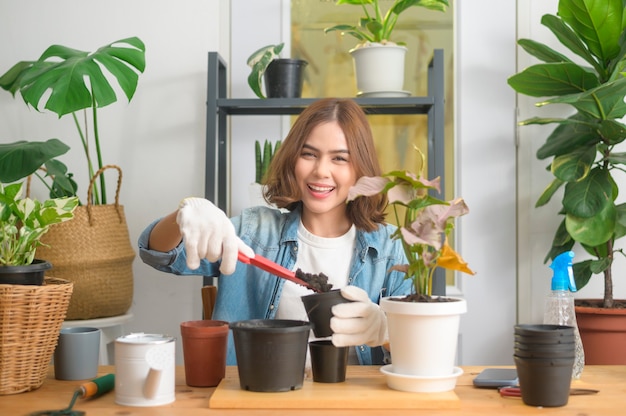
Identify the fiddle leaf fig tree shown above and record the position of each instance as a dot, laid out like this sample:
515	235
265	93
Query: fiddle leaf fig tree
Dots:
66	80
583	148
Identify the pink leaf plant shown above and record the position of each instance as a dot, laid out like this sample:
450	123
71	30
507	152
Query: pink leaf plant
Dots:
425	225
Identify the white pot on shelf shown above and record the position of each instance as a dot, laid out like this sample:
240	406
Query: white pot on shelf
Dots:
379	69
423	341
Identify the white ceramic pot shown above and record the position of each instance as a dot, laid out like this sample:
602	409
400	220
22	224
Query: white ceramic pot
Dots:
379	69
423	336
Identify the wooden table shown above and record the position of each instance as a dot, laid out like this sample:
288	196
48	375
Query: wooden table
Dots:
191	401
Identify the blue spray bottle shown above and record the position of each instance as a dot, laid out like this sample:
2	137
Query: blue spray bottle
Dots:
559	308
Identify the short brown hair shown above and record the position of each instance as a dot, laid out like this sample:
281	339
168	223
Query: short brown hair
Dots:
281	187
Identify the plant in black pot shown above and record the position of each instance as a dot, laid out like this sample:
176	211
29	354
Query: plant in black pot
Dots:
283	77
583	150
23	221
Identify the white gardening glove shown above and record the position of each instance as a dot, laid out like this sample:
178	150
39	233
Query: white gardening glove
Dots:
358	322
208	233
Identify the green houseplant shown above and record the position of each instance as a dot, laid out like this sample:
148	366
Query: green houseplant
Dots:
76	82
263	155
583	147
424	224
263	159
377	25
20	159
378	59
32	306
283	77
68	81
23	221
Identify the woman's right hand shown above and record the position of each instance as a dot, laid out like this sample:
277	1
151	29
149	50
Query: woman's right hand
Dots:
209	234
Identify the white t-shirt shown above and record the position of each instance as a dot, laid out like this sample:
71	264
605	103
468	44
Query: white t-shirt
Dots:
331	256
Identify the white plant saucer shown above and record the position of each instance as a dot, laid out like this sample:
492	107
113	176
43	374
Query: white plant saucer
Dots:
374	94
420	384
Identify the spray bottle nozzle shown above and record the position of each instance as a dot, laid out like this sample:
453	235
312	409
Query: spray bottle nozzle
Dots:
563	278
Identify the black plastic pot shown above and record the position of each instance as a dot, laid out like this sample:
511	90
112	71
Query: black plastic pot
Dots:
318	308
328	363
271	353
31	274
545	331
544	382
284	78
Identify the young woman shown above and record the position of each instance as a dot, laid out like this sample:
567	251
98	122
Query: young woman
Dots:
328	148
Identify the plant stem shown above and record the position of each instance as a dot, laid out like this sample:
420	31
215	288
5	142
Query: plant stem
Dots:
608	280
98	152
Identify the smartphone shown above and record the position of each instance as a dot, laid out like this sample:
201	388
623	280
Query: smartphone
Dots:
496	377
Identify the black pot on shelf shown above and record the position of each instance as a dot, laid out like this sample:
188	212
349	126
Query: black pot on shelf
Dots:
284	78
30	274
271	353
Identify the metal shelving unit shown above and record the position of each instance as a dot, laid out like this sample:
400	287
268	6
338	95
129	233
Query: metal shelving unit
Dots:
219	107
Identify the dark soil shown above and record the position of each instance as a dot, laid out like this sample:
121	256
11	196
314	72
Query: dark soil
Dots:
424	298
318	282
597	303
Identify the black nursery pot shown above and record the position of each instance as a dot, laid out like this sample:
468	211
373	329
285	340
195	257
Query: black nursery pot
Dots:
284	78
318	308
31	274
544	382
271	353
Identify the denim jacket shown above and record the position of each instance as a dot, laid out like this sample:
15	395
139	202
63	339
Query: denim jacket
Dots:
251	293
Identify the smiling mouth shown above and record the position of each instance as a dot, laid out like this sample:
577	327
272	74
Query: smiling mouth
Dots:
321	189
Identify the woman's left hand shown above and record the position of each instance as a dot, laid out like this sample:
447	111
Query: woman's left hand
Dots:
358	322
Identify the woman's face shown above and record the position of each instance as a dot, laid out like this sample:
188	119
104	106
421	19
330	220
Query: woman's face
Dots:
324	170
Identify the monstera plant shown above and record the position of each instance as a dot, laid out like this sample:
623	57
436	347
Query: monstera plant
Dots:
69	81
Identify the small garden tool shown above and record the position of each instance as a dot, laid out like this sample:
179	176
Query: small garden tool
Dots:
276	269
91	389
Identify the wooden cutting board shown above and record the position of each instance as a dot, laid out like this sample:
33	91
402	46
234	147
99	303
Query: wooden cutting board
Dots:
363	389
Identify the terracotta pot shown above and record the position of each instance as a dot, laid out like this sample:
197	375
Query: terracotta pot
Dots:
603	333
204	351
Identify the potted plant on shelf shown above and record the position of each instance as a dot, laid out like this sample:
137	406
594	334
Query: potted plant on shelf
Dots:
68	81
424	350
262	160
378	60
283	76
583	152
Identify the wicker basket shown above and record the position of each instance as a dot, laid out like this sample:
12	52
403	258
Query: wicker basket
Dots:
94	252
30	321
